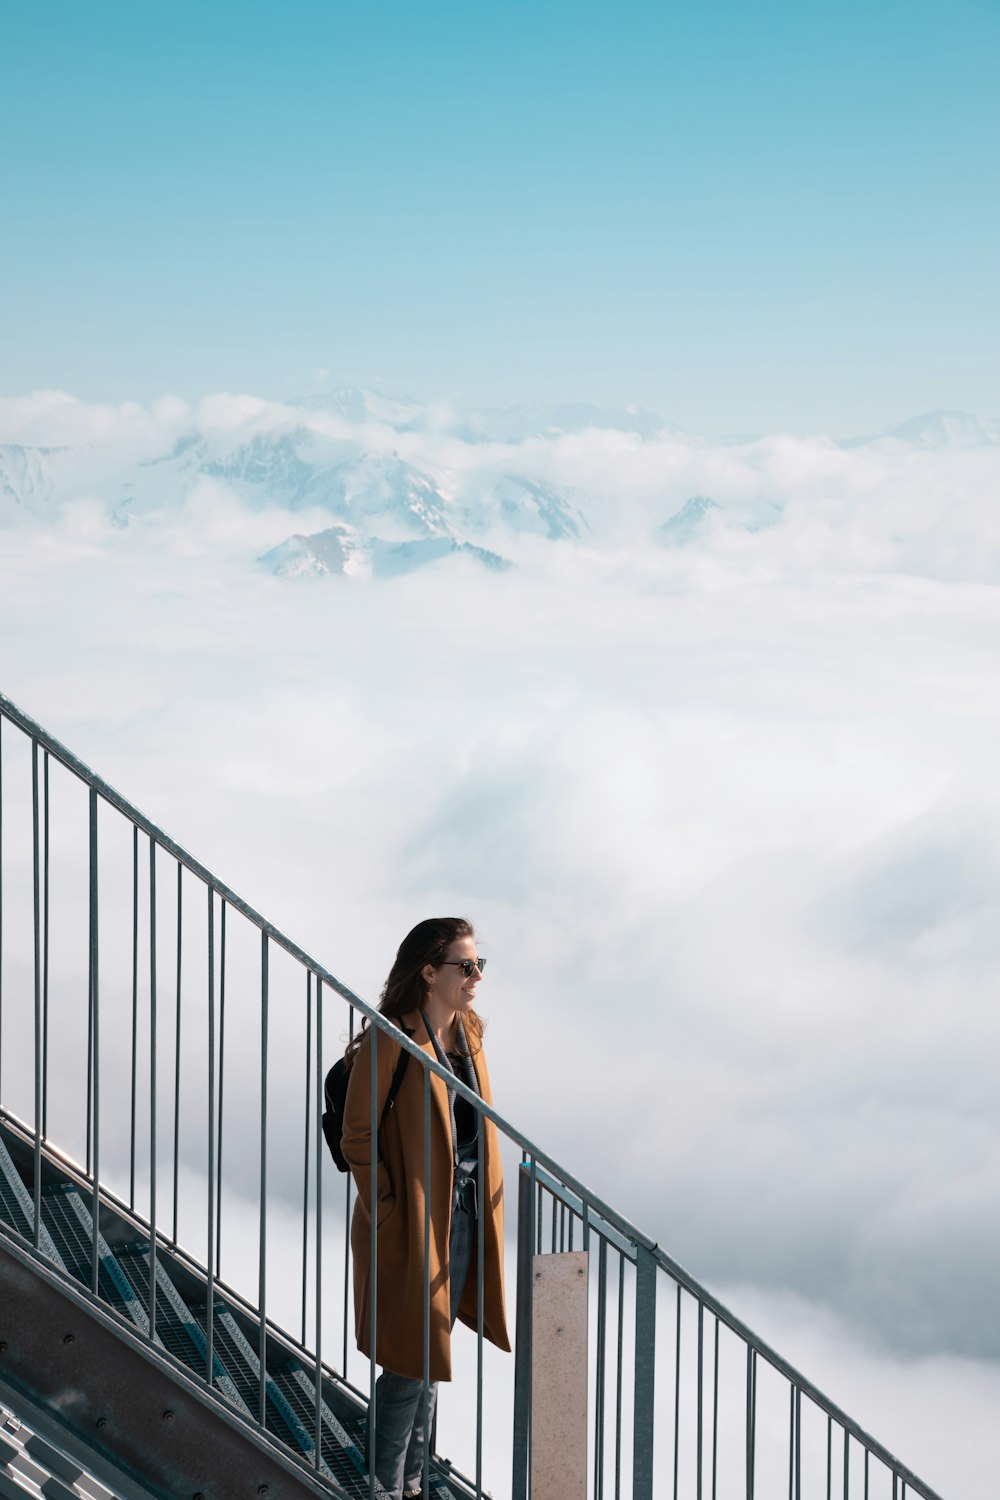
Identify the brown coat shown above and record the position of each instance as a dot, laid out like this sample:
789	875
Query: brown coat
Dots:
399	1310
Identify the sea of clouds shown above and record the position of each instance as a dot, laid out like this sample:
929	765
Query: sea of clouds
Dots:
725	813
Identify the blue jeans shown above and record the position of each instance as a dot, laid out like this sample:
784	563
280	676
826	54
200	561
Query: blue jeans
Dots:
399	1400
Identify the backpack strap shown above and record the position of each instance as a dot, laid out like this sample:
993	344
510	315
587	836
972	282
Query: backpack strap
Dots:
395	1086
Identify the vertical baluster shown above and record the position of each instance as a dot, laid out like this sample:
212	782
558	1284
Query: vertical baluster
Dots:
318	1255
751	1425
45	946
210	1257
373	1253
798	1444
481	1143
700	1412
305	1153
222	1083
262	1273
1	904
95	1048
135	1012
867	1456
36	906
645	1371
829	1459
847	1464
677	1390
715	1413
791	1442
152	1087
426	1289
527	1206
177	1044
88	1157
618	1375
347	1226
599	1367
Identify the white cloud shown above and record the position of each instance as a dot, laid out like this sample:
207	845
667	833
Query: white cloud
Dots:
725	816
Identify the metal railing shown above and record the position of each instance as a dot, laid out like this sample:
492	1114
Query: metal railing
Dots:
185	1077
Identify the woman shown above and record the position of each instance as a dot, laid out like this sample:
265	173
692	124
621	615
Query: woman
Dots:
429	993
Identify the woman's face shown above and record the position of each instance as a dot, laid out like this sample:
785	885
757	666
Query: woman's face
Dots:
447	982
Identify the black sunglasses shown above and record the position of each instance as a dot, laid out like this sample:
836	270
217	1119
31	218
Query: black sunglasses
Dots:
465	964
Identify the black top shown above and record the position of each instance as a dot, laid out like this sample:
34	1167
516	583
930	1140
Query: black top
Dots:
466	1116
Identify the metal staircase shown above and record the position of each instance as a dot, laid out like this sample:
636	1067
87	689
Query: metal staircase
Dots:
175	1311
66	1234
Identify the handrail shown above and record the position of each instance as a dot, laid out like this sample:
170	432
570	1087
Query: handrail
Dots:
736	1325
546	1175
115	798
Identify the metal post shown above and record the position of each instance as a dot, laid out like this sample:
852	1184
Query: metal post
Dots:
152	1087
426	1295
135	1011
701	1380
177	1043
95	1049
1	905
619	1371
36	1228
645	1362
222	1084
751	1431
522	1339
318	1258
306	1155
262	1276
373	1263
45	947
347	1224
481	1137
677	1390
715	1413
599	1367
210	1249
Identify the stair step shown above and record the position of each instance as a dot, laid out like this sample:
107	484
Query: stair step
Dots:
341	1453
66	1238
72	1226
17	1208
243	1363
29	1464
176	1328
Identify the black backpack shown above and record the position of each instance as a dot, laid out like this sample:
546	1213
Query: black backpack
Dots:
335	1097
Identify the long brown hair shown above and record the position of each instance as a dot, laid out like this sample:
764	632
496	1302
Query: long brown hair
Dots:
406	989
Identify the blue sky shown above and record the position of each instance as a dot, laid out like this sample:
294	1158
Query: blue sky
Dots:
745	217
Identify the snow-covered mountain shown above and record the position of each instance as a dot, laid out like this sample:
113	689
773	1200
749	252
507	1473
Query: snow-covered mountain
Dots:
25	480
698	514
519	503
685	524
358	482
344	551
937	429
